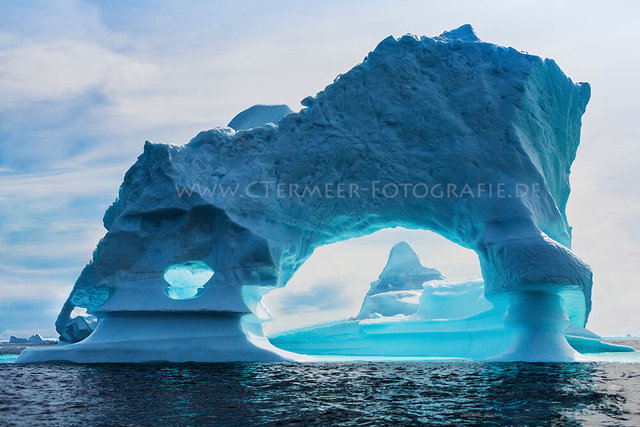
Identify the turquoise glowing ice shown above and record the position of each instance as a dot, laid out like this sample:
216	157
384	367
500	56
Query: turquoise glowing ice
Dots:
187	280
414	311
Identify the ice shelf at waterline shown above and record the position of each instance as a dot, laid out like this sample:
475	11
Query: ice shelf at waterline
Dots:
414	311
427	113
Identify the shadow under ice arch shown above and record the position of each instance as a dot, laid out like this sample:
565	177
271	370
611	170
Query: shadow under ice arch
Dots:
431	112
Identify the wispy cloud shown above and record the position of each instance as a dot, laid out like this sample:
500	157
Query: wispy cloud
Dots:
48	71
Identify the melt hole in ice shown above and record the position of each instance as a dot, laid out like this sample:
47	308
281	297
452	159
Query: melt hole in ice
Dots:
187	280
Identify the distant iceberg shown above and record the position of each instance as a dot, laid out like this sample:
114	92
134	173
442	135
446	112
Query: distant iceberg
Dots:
397	291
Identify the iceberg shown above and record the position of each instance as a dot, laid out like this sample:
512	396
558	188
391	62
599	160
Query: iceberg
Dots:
33	339
451	134
78	328
16	340
36	338
397	291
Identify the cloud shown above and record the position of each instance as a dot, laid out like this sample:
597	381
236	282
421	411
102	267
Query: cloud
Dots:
24	317
319	296
49	71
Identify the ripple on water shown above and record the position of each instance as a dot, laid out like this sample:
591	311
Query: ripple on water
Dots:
317	393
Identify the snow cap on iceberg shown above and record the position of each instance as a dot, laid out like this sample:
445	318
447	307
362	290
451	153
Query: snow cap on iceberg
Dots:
403	263
258	115
464	33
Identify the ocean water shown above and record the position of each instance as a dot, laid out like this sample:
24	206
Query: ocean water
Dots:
321	393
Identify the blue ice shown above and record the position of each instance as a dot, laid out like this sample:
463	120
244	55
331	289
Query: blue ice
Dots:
187	280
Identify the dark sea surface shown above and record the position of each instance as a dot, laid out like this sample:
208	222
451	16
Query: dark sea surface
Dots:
343	393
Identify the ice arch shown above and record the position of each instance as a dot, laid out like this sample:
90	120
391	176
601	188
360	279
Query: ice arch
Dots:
429	113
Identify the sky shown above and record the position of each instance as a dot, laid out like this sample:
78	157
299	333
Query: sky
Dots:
84	83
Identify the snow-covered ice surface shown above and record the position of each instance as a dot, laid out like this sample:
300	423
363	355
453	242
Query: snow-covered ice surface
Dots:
465	138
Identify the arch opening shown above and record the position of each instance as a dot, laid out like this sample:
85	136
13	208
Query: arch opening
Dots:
187	280
333	283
